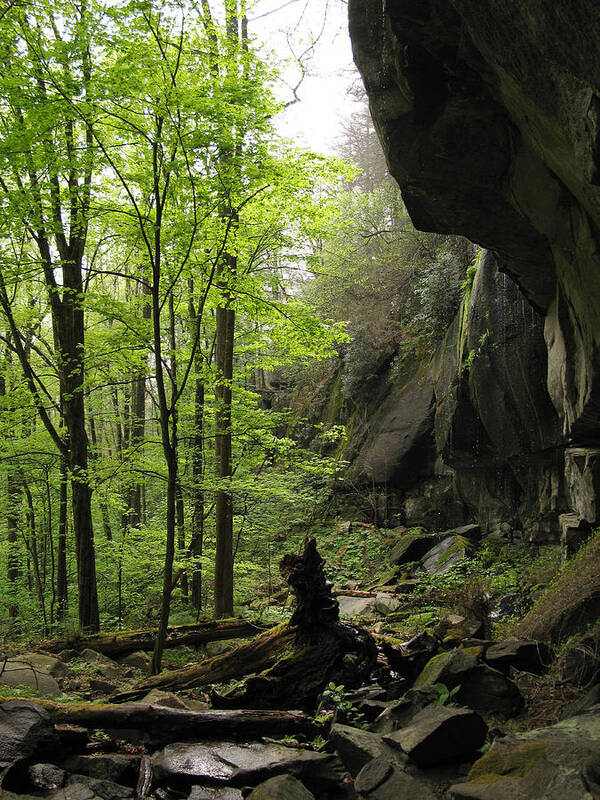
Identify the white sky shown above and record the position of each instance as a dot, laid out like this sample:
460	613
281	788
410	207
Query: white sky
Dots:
316	120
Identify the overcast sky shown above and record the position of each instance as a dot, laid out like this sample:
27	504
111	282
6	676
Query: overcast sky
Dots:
316	120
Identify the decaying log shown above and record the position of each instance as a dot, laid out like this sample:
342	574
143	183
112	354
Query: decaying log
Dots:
294	661
176	724
254	656
121	643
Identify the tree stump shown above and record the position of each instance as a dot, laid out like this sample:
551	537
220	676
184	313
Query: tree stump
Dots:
292	663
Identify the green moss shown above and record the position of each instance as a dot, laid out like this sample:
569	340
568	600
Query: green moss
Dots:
514	763
458	546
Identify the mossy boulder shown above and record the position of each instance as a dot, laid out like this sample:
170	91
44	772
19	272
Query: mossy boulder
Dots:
560	762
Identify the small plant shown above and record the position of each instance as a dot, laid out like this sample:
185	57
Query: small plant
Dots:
335	702
445	694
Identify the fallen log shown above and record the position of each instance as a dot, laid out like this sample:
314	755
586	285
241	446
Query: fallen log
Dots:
254	656
295	661
121	643
176	724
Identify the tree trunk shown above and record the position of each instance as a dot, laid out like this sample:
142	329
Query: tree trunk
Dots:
169	724
61	555
225	328
120	644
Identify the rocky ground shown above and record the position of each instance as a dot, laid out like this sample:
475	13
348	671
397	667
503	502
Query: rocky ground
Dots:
453	711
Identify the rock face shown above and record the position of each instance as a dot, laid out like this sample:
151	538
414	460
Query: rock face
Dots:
489	115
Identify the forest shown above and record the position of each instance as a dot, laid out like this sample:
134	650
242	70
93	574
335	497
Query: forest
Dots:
163	251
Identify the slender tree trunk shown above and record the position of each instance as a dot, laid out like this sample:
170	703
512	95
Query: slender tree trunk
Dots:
61	555
12	528
225	319
180	513
197	540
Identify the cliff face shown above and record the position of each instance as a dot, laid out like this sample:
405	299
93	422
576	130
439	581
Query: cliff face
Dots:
489	114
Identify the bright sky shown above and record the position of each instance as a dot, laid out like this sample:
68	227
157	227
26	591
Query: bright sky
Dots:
316	120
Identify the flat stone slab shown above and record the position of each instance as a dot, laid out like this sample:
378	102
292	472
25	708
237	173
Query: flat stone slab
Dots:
233	763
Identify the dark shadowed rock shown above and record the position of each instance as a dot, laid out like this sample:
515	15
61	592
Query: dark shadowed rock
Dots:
380	780
582	703
46	776
438	735
281	787
138	660
413	547
24	726
524	655
117	767
355	747
481	687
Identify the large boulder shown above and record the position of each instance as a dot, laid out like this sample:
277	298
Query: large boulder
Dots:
439	735
480	687
243	764
561	762
19	672
24	727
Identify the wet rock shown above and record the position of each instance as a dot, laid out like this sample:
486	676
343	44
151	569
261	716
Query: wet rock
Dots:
523	654
24	727
446	554
574	531
138	660
46	776
45	663
355	747
561	762
438	735
281	787
236	764
71	738
116	767
413	547
17	672
214	793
